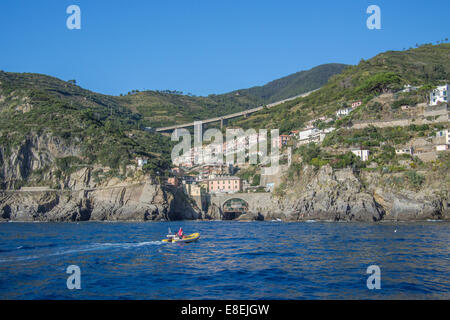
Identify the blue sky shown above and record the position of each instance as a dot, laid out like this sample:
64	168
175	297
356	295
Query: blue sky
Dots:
204	46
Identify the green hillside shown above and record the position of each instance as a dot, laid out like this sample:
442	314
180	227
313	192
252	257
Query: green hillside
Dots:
294	84
35	105
167	108
159	109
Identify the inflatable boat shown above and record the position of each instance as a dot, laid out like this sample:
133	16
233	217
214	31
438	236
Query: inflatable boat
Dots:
186	239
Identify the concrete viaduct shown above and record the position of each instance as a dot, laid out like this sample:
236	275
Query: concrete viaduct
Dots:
244	113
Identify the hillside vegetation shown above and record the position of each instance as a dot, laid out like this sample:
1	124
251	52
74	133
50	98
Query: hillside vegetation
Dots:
164	108
294	84
426	66
106	133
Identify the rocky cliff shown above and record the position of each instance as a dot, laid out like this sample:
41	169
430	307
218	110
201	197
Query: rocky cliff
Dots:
127	202
342	195
35	189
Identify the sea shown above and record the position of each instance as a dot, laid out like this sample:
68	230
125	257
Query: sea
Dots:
231	260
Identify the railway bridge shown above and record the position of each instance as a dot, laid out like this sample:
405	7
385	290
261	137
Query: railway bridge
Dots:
222	119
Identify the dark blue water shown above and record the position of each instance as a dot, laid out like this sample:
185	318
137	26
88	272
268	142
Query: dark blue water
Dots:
232	260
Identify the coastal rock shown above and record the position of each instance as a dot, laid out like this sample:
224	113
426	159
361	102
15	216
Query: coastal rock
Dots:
35	153
331	195
138	202
80	197
251	216
410	206
182	208
317	194
214	212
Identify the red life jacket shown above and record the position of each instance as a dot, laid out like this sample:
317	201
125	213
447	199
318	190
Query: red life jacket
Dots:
180	232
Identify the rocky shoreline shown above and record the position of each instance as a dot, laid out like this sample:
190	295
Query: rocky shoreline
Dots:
328	196
137	202
322	194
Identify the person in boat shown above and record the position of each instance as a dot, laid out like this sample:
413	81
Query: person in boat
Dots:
180	233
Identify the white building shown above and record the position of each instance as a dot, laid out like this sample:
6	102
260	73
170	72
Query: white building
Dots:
141	162
312	135
362	154
442	147
344	112
405	151
305	134
444	136
439	95
409	88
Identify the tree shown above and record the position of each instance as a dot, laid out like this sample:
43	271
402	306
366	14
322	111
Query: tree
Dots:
310	152
379	82
424	91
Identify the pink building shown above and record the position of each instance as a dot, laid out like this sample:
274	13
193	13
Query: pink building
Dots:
229	184
356	104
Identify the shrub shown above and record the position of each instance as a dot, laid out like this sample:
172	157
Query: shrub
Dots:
402	102
256	180
309	152
415	178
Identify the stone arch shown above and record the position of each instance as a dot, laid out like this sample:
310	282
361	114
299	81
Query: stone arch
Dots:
233	207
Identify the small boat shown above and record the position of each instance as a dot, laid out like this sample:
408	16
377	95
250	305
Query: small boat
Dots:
186	239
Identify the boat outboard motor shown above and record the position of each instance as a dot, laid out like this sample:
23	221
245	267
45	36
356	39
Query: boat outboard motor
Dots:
170	235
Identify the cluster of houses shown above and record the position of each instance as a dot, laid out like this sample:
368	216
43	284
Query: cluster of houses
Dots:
217	177
209	154
427	150
214	176
209	179
304	137
437	109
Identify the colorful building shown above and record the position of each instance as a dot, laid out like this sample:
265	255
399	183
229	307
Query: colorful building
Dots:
226	184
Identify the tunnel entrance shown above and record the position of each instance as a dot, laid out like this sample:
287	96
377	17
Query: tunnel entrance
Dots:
233	208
